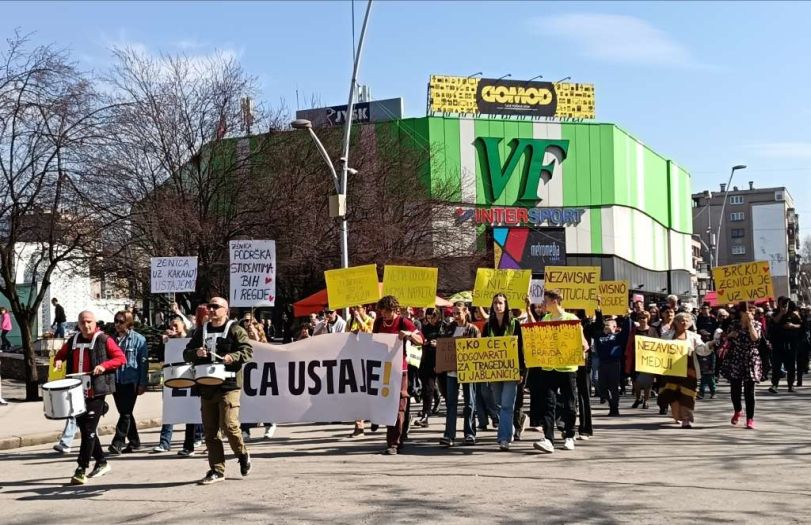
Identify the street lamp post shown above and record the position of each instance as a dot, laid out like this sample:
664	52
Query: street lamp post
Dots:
723	207
341	182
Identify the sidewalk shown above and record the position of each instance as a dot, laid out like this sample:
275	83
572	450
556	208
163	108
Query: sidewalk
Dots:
23	423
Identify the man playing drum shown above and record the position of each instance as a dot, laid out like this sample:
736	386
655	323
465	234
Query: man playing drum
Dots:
221	340
93	353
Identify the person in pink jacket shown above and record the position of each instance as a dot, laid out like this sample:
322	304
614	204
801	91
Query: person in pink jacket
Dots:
5	326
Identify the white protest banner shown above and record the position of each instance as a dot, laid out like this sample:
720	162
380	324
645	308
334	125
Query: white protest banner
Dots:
253	273
179	405
330	377
173	274
536	291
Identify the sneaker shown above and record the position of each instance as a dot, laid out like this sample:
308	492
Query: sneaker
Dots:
750	424
79	477
504	446
517	435
662	411
185	452
245	464
791	389
735	417
470	440
686	424
712	395
99	470
3	402
198	444
270	431
212	477
391	451
583	437
568	444
522	423
645	405
160	449
773	389
544	446
62	449
357	432
446	441
636	403
114	450
130	449
614	413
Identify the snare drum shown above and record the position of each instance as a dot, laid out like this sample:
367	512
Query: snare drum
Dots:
178	375
211	374
63	398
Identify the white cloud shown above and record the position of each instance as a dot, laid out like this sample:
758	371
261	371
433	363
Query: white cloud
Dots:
616	38
782	150
189	43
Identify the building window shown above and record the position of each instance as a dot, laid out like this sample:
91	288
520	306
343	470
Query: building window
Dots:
738	233
739	250
736	199
736	216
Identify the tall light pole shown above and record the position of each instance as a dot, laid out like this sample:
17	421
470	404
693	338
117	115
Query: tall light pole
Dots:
340	182
723	207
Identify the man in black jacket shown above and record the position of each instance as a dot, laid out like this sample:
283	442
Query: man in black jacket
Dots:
221	340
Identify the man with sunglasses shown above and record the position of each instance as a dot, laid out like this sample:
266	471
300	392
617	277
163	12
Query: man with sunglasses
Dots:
130	382
221	340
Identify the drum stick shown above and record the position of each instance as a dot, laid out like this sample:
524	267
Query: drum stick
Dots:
78	374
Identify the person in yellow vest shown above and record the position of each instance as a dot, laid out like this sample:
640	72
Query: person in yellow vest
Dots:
552	380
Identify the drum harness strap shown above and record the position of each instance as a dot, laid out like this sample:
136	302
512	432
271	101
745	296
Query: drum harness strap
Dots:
84	346
211	346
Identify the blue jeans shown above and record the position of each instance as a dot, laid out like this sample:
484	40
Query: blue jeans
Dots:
193	434
504	392
69	433
451	401
486	405
60	330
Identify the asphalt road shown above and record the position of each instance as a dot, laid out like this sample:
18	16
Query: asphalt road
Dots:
639	468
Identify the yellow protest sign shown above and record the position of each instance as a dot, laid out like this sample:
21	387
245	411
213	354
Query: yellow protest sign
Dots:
553	344
411	285
514	284
352	286
413	354
614	297
54	374
487	359
664	357
579	285
743	282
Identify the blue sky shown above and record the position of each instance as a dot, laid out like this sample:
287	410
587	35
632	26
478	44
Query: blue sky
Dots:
709	85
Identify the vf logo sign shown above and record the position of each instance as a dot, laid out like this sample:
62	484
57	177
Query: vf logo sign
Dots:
496	174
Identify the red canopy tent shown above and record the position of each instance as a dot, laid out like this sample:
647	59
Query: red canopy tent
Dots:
319	300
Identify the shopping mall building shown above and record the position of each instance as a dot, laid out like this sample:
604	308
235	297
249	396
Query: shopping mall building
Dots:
544	192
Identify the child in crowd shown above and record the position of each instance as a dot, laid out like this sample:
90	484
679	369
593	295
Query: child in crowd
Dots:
707	364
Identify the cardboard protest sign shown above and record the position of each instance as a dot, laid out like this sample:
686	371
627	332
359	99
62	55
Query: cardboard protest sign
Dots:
253	273
661	356
413	354
487	359
536	291
411	285
579	285
331	377
553	344
514	284
445	355
172	274
743	282
352	286
614	297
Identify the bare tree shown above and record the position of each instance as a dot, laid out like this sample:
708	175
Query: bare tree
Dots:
182	160
50	114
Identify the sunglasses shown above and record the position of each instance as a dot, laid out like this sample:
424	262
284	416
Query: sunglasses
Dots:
214	306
